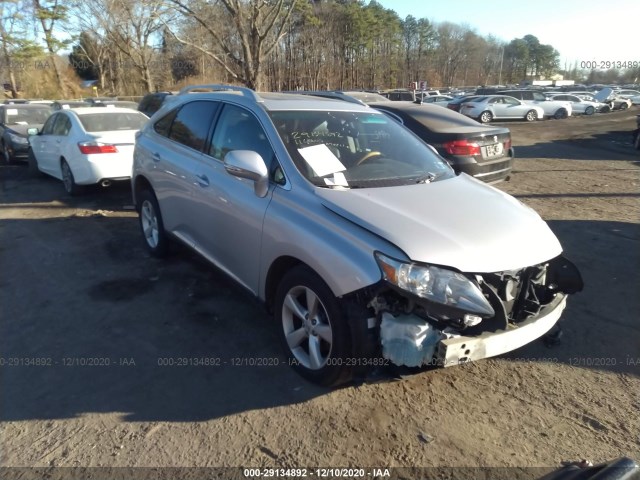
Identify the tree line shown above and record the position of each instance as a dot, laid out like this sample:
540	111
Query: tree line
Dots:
134	46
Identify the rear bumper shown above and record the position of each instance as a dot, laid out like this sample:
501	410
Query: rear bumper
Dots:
453	351
489	171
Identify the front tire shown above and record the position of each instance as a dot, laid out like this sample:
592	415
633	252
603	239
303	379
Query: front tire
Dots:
151	225
531	116
560	114
68	180
6	155
485	117
34	171
313	328
623	106
589	111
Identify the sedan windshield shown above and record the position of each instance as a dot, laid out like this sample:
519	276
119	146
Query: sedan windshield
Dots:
27	116
356	149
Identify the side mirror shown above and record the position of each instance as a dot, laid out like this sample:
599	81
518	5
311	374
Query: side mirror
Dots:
33	131
250	165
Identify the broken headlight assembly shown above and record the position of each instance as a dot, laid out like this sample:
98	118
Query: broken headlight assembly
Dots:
434	284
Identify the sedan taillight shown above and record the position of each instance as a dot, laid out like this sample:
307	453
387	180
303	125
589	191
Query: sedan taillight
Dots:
461	147
89	148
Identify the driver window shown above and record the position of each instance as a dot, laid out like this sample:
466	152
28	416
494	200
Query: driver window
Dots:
239	129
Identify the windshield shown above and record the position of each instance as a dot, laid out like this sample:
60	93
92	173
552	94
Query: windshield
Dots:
356	149
107	122
27	116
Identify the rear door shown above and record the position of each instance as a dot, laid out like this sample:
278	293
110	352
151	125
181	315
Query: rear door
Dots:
176	151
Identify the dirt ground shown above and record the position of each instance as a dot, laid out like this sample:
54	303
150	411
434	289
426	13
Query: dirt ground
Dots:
93	332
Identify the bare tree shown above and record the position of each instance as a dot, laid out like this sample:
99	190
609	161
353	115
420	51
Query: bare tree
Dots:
254	29
15	47
49	13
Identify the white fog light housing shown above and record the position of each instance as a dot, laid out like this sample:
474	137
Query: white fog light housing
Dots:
435	284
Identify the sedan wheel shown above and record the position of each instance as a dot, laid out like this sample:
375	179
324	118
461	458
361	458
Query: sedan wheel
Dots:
70	185
6	155
531	116
561	113
151	225
33	164
486	117
623	106
312	327
589	111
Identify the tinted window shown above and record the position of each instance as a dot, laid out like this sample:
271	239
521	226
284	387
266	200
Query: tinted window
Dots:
163	126
537	96
62	126
238	129
112	121
191	124
47	129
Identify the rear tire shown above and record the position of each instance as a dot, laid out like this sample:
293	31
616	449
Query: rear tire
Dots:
68	180
589	111
531	116
151	225
624	106
485	117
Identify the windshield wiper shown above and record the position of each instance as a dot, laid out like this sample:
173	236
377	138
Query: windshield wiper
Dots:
428	178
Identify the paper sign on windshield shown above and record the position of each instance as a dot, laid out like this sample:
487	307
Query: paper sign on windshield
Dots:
321	160
12	111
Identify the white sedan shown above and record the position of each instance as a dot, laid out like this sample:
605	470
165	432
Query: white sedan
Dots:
86	146
489	107
580	105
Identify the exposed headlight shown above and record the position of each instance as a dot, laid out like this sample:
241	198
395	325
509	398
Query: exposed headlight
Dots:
435	284
18	139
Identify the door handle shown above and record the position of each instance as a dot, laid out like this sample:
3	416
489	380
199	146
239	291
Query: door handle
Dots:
203	181
155	157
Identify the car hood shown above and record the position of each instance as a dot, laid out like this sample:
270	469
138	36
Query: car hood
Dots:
603	95
22	129
459	222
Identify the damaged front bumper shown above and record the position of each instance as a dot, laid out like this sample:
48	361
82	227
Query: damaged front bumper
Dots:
461	349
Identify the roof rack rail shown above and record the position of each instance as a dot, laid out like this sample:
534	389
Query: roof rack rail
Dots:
218	87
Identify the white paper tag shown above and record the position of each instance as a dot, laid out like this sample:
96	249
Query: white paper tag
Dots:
338	180
12	111
321	160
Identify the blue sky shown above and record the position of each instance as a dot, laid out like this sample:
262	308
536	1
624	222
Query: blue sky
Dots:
582	30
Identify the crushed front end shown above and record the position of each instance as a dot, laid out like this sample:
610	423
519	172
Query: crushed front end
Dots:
429	315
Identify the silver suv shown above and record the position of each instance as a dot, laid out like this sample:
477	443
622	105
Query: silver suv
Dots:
359	238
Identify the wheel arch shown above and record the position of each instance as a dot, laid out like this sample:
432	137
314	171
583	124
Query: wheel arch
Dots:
139	184
277	271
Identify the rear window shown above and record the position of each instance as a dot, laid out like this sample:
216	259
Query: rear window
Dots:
112	121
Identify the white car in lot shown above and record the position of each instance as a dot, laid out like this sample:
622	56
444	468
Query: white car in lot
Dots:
552	108
579	105
85	146
499	107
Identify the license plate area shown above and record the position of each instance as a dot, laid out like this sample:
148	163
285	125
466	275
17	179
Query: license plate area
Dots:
492	151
